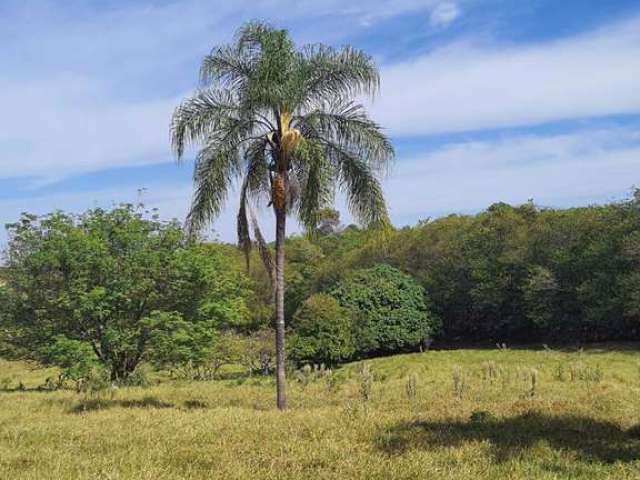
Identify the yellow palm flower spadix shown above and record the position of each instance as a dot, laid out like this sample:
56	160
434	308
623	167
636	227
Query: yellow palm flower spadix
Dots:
290	137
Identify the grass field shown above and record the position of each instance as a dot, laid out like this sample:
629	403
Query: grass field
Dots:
464	414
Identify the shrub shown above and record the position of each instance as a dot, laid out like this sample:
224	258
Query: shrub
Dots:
228	349
309	374
260	352
365	378
389	310
411	389
323	332
193	350
76	359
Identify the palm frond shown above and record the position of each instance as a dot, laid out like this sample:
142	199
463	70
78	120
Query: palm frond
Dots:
263	248
254	183
315	175
244	238
252	35
257	169
332	73
252	88
346	123
215	169
359	182
229	66
198	116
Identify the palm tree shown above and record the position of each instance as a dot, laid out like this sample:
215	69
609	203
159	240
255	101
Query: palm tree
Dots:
282	123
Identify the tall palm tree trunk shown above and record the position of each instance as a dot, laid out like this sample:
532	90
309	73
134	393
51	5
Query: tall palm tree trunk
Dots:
281	218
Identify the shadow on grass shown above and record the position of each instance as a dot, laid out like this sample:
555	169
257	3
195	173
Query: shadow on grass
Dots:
26	390
94	404
589	439
196	405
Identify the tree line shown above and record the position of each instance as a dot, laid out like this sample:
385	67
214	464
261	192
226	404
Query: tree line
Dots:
112	289
518	274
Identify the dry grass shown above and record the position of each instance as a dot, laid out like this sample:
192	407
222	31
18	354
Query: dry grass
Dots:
579	420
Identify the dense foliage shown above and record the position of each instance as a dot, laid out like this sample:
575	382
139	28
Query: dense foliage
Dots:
114	283
388	307
509	274
323	332
114	288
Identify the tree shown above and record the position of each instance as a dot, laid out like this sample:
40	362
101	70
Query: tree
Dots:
282	122
108	279
630	281
303	259
510	274
389	308
540	292
322	331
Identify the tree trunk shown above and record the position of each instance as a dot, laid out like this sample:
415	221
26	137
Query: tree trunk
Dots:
279	298
122	367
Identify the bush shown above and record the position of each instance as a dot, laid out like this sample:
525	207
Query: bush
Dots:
260	352
76	359
228	349
323	332
389	310
194	350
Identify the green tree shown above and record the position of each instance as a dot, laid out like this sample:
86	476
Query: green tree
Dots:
98	278
282	121
303	259
389	308
508	274
322	332
259	353
630	280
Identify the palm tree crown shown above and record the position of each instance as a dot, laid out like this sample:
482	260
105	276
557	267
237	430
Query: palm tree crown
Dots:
284	122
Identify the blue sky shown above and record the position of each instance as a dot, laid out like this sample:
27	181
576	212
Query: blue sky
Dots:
485	100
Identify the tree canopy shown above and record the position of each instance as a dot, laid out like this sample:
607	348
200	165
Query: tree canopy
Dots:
389	310
103	277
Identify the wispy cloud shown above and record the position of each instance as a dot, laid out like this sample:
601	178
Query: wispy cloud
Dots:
554	170
47	137
470	86
82	91
443	14
85	90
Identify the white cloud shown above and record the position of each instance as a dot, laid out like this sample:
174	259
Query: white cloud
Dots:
466	86
93	91
47	137
443	14
554	170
